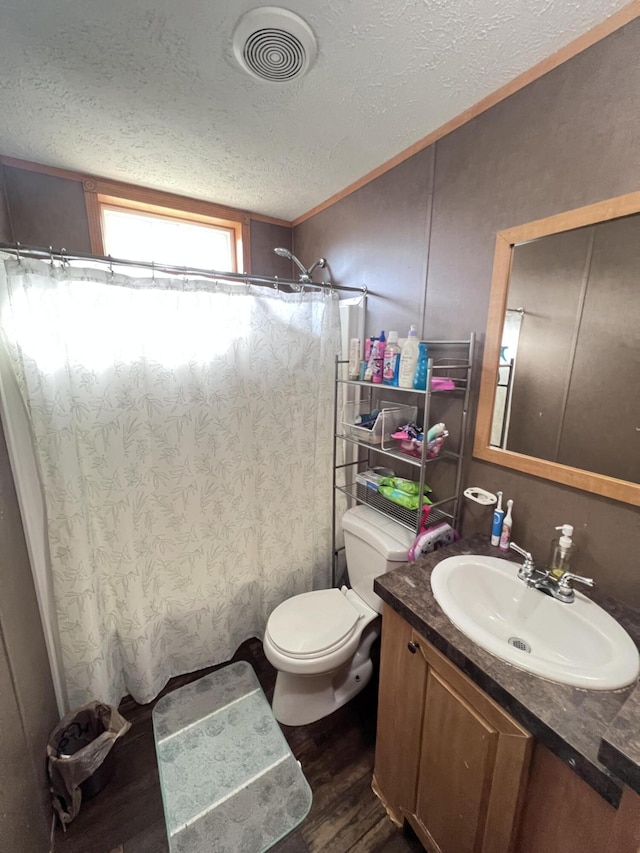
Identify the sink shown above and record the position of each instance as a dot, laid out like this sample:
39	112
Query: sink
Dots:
577	644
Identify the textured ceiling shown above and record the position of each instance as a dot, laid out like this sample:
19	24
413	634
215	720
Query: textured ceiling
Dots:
148	91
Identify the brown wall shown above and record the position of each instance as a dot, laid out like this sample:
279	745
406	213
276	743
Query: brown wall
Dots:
566	140
6	232
27	704
47	211
41	210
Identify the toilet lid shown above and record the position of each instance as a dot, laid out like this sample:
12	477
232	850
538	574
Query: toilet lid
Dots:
312	623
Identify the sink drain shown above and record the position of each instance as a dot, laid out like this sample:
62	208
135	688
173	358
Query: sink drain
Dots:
517	643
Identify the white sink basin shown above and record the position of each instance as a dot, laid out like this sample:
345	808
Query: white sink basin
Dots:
577	643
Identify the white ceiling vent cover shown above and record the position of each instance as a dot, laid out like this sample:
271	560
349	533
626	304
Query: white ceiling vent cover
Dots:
274	44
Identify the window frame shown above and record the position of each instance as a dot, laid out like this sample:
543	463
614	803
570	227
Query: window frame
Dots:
112	194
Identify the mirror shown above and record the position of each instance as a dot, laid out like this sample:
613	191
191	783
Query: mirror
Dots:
559	391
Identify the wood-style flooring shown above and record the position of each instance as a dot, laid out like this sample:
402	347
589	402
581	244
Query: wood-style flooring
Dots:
336	755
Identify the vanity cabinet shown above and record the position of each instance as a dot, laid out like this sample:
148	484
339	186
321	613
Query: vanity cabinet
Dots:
449	759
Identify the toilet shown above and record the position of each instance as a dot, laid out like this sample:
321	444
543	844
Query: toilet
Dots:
320	642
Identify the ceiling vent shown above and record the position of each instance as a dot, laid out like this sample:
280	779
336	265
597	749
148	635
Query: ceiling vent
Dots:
274	44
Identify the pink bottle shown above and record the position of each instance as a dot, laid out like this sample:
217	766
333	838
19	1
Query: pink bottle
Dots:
378	358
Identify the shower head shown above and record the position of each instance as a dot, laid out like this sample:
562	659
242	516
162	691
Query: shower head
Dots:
305	274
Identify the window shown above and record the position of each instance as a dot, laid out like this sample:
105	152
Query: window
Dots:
148	225
165	240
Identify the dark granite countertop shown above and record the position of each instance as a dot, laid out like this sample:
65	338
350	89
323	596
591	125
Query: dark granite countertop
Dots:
568	720
620	746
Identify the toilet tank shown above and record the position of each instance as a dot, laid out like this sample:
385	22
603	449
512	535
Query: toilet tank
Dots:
374	544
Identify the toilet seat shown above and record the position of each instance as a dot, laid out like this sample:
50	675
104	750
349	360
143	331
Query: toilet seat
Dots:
322	628
313	624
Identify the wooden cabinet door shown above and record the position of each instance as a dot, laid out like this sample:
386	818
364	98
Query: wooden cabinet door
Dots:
400	710
456	770
473	768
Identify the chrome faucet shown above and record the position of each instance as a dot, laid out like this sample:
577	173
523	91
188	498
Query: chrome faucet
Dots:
559	587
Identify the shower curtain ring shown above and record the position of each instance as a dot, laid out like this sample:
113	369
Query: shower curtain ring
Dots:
153	270
64	259
248	283
18	255
185	277
276	283
110	266
51	255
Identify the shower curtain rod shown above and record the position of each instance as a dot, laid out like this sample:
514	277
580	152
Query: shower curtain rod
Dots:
231	277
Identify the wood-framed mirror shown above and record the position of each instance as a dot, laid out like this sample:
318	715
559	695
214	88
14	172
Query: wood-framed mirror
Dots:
560	384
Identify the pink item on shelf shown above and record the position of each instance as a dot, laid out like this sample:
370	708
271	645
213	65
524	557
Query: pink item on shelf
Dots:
413	447
442	383
407	444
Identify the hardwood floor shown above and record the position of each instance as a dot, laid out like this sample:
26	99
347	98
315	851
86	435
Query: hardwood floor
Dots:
336	755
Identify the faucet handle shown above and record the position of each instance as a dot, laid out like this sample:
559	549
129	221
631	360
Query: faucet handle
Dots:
567	577
528	566
520	551
565	591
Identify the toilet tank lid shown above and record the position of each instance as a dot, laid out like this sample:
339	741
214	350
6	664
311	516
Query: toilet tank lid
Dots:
389	538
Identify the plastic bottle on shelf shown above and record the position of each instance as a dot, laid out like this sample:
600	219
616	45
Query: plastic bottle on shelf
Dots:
354	358
377	353
562	549
408	360
391	366
422	367
368	354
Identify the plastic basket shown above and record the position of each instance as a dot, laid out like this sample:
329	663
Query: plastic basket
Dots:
390	417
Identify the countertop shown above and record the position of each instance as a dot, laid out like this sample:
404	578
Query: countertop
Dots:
568	720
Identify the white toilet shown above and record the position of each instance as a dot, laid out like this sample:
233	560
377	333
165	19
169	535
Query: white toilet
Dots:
320	642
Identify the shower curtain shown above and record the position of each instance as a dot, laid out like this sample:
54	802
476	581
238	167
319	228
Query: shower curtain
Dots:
182	433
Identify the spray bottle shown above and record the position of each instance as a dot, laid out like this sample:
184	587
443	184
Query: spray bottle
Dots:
562	549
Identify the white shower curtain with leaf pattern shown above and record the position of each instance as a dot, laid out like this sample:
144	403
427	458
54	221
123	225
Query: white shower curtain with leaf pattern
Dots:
182	432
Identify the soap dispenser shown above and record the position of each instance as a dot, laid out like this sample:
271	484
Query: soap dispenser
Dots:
562	549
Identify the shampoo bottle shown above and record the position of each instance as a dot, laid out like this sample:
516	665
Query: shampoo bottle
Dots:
420	376
378	358
562	549
505	535
498	516
354	358
409	360
391	367
368	354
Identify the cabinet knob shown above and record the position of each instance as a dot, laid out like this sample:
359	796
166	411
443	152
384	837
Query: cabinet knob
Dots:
413	647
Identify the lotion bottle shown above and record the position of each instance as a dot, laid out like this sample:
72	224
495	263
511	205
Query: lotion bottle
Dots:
354	358
391	367
498	516
562	549
409	360
422	368
369	357
377	353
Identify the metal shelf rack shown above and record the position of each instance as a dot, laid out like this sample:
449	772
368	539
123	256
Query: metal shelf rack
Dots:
444	509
